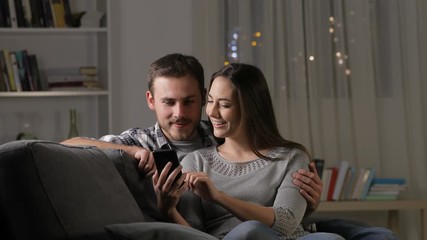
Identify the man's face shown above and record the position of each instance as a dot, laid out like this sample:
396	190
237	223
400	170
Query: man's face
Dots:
178	104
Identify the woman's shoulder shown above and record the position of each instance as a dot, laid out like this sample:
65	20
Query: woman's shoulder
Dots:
202	152
286	153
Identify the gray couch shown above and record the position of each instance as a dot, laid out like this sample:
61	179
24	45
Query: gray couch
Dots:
53	191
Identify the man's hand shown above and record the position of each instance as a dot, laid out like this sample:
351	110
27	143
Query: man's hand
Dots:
310	186
168	190
145	161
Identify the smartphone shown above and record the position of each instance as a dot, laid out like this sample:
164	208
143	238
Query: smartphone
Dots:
162	157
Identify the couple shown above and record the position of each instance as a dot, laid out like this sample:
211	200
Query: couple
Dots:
245	181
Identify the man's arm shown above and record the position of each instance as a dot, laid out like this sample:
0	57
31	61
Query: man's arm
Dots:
131	150
144	156
310	186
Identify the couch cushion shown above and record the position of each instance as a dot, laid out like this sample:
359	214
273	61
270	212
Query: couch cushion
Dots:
139	185
155	230
53	191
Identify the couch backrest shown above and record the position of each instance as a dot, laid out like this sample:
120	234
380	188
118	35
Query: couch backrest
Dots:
53	191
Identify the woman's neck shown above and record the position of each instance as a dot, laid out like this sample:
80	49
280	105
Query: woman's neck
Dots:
238	151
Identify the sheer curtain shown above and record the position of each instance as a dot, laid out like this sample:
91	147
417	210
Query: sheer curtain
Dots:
348	77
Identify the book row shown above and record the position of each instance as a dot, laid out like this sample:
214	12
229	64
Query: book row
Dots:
73	78
345	183
35	13
19	71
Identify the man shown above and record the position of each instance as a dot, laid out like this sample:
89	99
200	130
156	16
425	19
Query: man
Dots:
176	94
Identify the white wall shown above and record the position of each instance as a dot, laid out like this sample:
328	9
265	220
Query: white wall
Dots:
142	31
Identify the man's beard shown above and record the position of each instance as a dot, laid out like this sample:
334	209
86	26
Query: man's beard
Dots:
183	134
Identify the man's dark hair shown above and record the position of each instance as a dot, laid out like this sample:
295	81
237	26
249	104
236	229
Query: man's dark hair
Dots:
176	65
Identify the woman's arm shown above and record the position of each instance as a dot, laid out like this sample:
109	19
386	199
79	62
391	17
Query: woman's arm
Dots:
203	187
310	186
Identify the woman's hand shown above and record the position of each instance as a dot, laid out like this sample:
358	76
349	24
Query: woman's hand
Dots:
202	186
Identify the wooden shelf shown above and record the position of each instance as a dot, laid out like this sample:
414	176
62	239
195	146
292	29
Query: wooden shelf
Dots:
52	94
392	207
61	48
52	30
344	206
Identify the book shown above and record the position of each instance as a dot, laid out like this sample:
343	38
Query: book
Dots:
5	16
68	15
35	73
332	182
77	88
400	181
70	71
380	198
70	78
319	163
12	14
88	84
356	190
22	71
28	17
9	69
342	172
58	13
47	13
326	178
88	70
367	183
349	183
19	9
28	73
385	192
15	68
4	80
37	19
386	187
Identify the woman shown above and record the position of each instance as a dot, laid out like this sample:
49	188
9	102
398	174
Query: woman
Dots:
245	183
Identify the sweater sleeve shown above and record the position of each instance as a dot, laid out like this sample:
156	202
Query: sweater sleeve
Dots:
190	206
289	205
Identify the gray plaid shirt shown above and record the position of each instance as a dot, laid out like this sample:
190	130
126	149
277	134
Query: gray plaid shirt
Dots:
152	138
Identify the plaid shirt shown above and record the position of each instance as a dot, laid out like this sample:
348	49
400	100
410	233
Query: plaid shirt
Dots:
152	138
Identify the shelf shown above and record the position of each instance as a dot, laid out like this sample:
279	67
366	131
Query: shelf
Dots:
61	48
51	30
392	207
52	94
343	206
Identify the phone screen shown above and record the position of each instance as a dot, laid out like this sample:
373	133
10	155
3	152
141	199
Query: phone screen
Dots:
163	156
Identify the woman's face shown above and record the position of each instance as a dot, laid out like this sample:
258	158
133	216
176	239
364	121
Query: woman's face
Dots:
223	109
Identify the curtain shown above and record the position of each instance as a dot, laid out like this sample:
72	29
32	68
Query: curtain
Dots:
347	77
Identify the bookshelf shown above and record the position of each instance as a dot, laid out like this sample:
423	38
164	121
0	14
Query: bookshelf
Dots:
48	111
392	207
